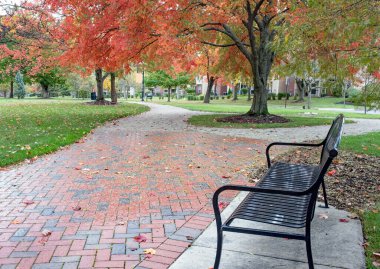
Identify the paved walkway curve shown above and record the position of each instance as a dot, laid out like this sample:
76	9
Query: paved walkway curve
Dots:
150	175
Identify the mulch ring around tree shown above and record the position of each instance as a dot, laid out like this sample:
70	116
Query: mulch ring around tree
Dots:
100	103
353	183
245	118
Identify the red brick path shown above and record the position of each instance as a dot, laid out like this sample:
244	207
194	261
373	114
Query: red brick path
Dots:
127	183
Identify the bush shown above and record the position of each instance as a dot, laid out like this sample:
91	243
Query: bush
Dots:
211	98
201	97
228	96
217	98
280	95
223	97
244	91
191	98
272	96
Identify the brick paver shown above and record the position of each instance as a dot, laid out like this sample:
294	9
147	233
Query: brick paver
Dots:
149	175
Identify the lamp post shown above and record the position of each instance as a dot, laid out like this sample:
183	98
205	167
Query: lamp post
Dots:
286	89
143	86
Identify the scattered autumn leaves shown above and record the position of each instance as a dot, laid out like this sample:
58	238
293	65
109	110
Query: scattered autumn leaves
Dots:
33	128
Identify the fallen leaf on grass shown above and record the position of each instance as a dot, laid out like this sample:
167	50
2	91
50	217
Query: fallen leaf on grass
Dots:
140	238
344	220
376	254
28	202
376	264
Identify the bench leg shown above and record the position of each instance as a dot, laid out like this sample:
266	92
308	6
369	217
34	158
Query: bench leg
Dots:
308	247
218	248
325	194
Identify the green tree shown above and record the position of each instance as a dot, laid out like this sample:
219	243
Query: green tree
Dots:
20	86
163	79
49	78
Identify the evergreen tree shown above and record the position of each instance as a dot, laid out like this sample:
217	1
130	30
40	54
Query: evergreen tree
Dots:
20	86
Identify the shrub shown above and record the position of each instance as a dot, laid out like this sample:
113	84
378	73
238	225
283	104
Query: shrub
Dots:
280	95
217	98
272	96
201	97
223	97
228	96
244	91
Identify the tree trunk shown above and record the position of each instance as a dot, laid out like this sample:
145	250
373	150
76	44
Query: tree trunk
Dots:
210	83
235	94
259	103
45	90
169	92
113	89
99	84
11	92
300	89
215	87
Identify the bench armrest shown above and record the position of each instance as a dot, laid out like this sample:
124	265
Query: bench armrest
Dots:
288	144
215	198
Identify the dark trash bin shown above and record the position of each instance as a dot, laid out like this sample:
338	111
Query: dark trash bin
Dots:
93	96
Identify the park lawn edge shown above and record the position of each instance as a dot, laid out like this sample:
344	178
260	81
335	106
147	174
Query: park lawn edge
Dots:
208	120
364	144
71	138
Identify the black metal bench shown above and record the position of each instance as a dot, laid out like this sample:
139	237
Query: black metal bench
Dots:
285	196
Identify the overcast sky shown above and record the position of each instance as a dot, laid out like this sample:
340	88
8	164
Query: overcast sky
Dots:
4	3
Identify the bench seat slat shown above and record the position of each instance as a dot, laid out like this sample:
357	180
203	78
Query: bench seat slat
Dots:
289	211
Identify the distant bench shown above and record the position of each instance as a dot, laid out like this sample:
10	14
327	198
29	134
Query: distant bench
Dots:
285	196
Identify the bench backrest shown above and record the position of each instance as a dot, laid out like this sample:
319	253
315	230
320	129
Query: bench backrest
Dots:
330	148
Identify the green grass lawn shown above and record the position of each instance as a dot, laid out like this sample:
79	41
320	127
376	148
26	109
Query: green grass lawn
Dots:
275	107
363	144
371	223
34	127
210	121
367	144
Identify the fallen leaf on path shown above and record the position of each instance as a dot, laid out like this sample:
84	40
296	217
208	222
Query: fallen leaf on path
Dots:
16	222
77	208
323	216
28	202
46	232
140	238
353	216
222	205
150	251
344	220
188	237
146	157
226	176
